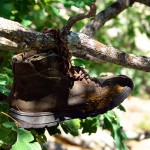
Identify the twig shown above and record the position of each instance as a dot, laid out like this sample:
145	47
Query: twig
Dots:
145	2
67	27
16	122
110	12
102	17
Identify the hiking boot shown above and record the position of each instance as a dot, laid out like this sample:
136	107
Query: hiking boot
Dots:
42	95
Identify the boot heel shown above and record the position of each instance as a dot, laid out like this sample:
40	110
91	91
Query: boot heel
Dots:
34	120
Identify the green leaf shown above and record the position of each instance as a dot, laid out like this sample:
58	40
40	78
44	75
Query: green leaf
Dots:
26	22
71	126
7	135
53	130
121	108
90	125
4	80
40	138
55	10
112	123
1	143
25	141
4	90
3	109
9	124
80	62
77	3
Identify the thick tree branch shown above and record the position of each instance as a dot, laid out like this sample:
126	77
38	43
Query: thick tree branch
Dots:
80	44
110	12
88	57
24	38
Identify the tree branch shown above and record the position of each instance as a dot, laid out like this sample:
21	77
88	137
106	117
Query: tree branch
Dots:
74	19
102	17
8	45
80	44
110	12
24	38
88	57
145	2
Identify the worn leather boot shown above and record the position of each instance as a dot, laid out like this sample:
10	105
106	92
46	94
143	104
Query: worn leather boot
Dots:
42	95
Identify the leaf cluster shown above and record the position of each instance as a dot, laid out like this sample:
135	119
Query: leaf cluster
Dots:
18	138
112	123
5	79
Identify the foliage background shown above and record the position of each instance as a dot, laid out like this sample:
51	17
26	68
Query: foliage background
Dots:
128	32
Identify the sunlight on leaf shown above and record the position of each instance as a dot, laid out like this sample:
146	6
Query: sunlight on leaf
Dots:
71	126
25	141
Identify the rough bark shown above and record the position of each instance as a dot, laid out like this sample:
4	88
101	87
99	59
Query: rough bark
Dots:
23	38
80	44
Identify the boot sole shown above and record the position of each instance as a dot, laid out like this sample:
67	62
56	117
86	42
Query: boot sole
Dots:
50	119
